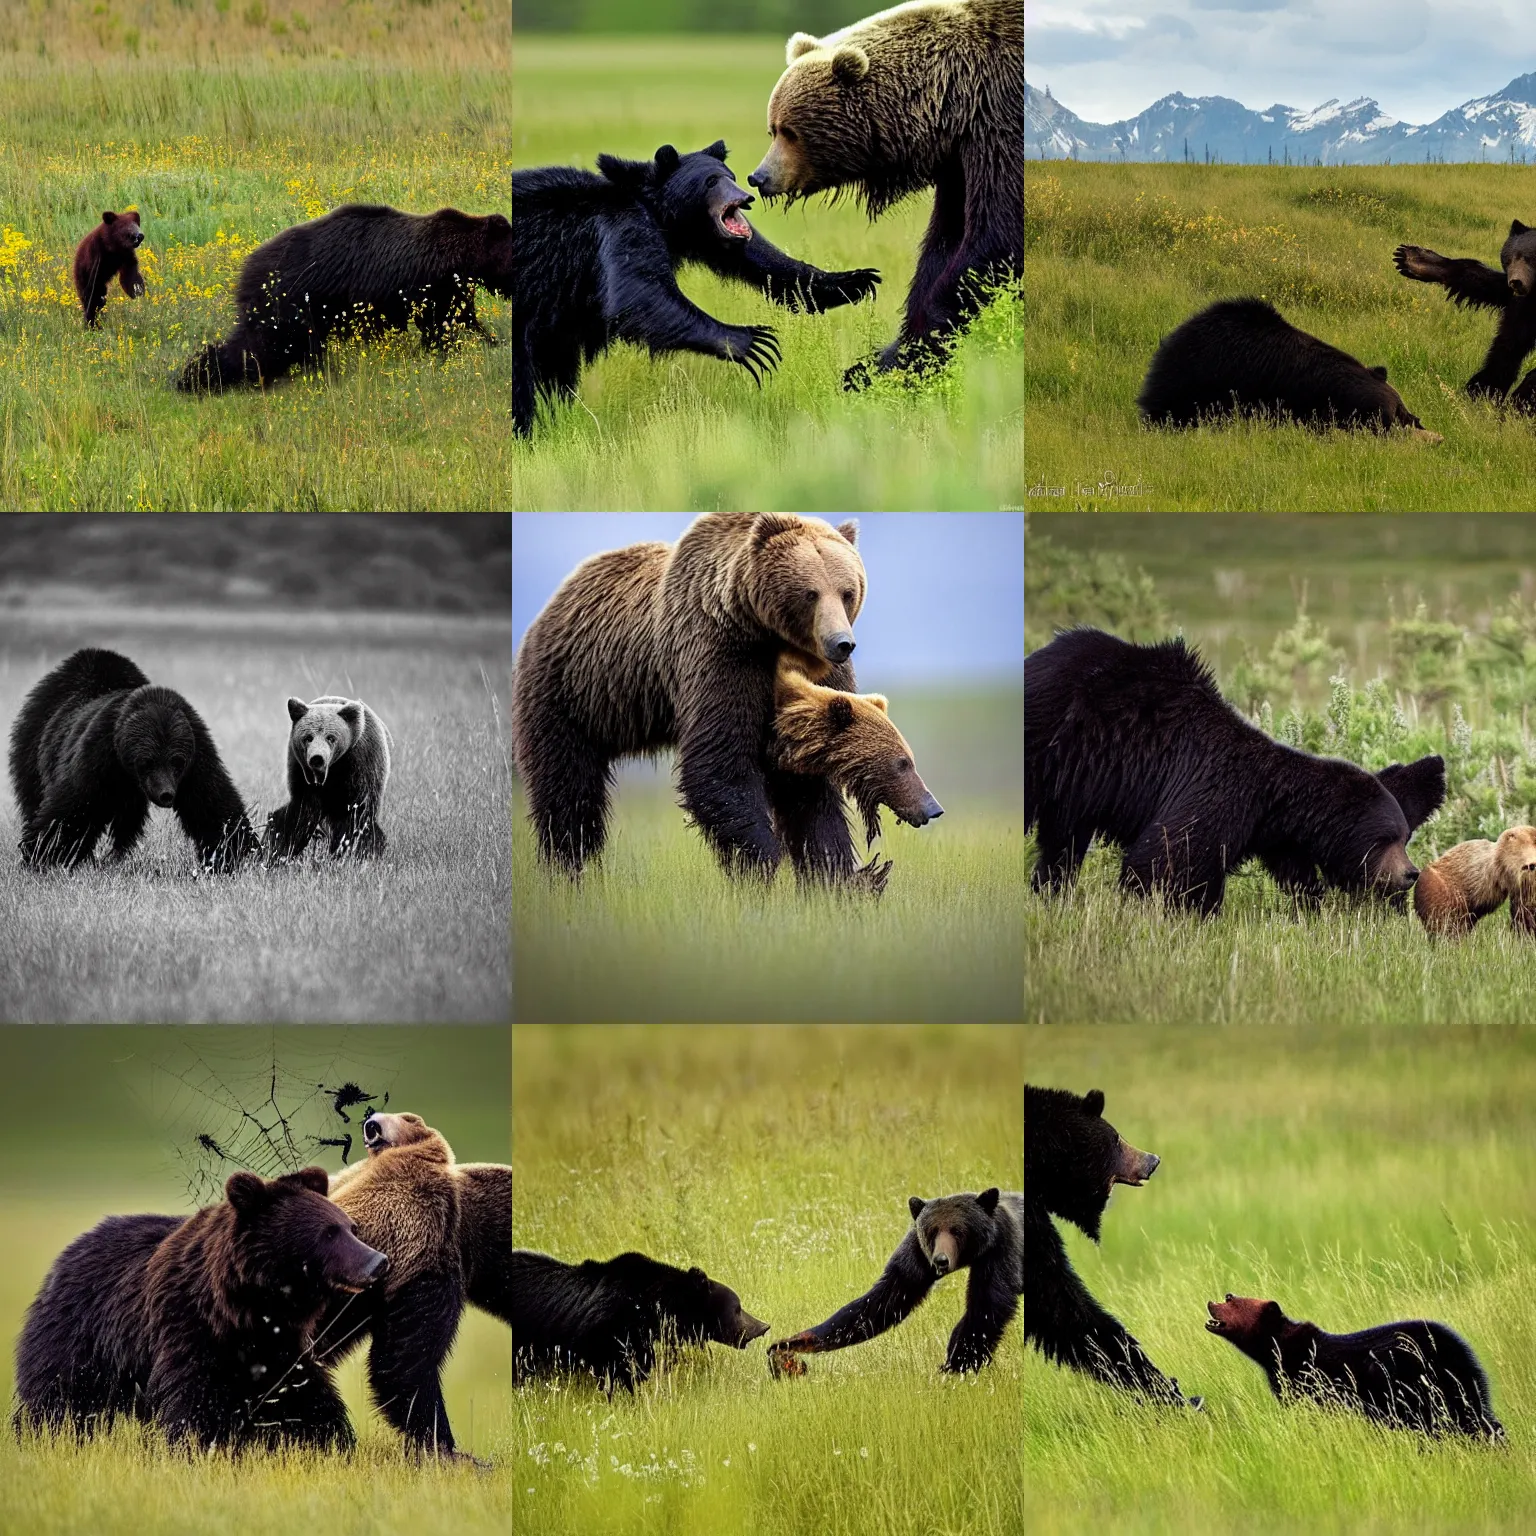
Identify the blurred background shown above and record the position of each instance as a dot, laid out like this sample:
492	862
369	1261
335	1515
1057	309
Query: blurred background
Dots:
779	16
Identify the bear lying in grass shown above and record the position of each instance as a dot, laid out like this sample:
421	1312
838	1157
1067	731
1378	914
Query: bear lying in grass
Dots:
1476	877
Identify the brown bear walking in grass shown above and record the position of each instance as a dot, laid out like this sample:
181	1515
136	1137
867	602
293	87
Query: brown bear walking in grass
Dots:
110	250
1473	878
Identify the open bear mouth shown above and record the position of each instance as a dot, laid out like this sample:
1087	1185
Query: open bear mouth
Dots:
1213	1323
728	219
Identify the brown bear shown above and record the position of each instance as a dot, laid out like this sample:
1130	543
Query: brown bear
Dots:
677	645
108	252
1471	879
447	1228
923	95
338	769
207	1324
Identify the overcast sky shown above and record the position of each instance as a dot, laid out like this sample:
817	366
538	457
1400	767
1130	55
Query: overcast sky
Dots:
1107	60
946	589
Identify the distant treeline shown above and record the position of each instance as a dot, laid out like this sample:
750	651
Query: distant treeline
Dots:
773	16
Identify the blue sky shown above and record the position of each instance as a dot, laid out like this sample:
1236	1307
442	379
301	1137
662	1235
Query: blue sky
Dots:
946	589
1106	60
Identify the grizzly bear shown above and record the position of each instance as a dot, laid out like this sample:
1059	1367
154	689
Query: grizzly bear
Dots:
607	1316
364	269
1240	357
110	250
1511	291
447	1228
1134	743
596	258
1413	1375
921	95
1073	1158
94	744
662	645
1468	881
984	1232
204	1324
338	767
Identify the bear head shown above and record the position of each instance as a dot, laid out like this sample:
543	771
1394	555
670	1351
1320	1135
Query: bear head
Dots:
288	1247
802	580
323	733
709	1312
389	1133
494	263
1514	857
1254	1326
1073	1156
850	739
1373	854
954	1230
1518	257
123	232
155	742
694	198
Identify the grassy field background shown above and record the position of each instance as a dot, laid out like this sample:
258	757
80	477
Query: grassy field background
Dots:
1357	1177
686	433
657	932
100	1122
1118	255
779	1160
224	124
420	935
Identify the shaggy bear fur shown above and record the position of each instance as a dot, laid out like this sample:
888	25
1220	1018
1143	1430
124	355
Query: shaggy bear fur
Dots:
447	1230
1240	357
607	1316
922	95
1413	1375
1134	743
1511	291
1470	880
596	258
662	645
1073	1158
984	1232
206	1325
94	744
361	268
338	768
110	250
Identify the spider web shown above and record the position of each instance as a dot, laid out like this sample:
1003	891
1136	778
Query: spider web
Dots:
266	1106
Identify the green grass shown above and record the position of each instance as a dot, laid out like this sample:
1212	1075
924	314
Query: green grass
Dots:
657	932
223	133
1357	1177
780	1161
91	1131
1118	255
419	935
688	433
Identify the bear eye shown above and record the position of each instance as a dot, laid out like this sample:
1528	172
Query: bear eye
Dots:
810	596
788	135
848	595
902	764
177	764
333	1230
330	738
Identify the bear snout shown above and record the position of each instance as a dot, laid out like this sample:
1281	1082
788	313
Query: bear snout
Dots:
376	1268
929	809
839	646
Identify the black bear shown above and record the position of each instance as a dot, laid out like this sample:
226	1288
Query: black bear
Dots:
1511	291
338	768
1135	743
1413	1375
362	268
984	1232
607	1317
204	1324
110	250
595	260
1073	1158
916	96
1240	357
95	744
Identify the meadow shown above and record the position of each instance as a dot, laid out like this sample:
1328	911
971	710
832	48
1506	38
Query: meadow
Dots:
1118	255
224	126
100	1122
687	433
419	935
780	1160
656	931
1358	1177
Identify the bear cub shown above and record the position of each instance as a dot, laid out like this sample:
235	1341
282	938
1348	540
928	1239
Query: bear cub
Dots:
110	250
338	768
1470	880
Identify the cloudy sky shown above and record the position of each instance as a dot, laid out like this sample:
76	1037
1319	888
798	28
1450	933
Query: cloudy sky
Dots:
1106	59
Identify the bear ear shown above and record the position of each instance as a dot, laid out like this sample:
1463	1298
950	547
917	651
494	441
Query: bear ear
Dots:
245	1191
1093	1104
1270	1312
1517	228
297	709
353	715
717	149
840	713
987	1200
766	525
850	531
915	1205
632	175
1379	373
849	65
133	213
316	1179
667	160
799	45
111	218
878	700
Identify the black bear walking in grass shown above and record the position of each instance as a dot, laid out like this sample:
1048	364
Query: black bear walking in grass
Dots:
110	250
1511	291
594	263
984	1232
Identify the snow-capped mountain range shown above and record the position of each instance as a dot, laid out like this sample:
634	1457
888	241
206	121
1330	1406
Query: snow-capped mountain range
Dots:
1495	128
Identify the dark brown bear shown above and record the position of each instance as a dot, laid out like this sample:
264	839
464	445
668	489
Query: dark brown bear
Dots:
108	252
1413	1375
662	645
205	1324
361	269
